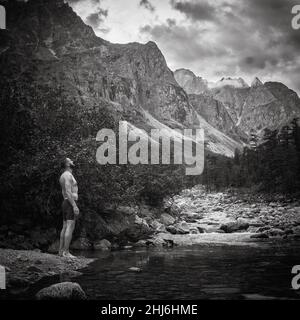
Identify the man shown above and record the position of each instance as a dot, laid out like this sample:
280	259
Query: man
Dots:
69	207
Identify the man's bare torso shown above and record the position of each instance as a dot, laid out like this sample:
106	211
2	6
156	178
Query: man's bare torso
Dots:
67	179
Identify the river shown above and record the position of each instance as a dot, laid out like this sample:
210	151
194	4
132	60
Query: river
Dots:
207	271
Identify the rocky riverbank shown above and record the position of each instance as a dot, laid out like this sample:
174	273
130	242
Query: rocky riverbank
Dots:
191	217
24	268
195	216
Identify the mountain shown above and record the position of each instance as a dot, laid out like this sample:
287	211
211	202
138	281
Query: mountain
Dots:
48	44
239	110
197	85
189	82
230	82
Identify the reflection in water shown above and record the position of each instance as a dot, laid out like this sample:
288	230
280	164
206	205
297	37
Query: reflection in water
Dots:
202	272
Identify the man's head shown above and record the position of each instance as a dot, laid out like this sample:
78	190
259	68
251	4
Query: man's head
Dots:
67	164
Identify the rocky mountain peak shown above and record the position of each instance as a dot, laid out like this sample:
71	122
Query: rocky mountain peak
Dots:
232	82
256	83
190	82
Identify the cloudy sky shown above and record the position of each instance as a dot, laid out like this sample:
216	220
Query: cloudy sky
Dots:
213	38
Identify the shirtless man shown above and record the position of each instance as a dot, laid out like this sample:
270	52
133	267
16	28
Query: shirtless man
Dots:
69	207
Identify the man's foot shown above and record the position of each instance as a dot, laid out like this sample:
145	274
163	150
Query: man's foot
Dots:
68	255
60	253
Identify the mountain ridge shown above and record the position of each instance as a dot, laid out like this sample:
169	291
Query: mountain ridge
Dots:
269	105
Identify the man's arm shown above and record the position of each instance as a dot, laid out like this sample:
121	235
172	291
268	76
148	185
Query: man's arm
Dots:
68	188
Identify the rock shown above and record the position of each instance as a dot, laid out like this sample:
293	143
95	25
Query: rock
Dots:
138	230
103	245
157	226
242	221
190	220
273	204
180	228
201	230
172	229
217	208
168	243
262	229
145	212
296	230
81	244
166	219
262	235
135	269
234	226
34	269
156	242
62	291
194	230
175	209
274	232
22	258
141	243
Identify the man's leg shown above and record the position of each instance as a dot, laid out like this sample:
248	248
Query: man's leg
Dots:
68	237
62	238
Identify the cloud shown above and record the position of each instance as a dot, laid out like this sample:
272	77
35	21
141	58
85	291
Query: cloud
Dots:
232	38
96	19
195	10
94	13
213	38
147	4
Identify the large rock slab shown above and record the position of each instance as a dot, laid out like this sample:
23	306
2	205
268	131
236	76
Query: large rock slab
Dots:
62	291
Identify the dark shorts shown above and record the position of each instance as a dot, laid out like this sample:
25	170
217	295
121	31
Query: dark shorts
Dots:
67	211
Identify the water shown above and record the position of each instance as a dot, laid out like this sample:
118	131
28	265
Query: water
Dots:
198	272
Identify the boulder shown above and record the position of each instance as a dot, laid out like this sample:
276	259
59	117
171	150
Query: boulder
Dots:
181	228
142	243
62	291
103	245
175	209
166	219
157	226
234	226
138	230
